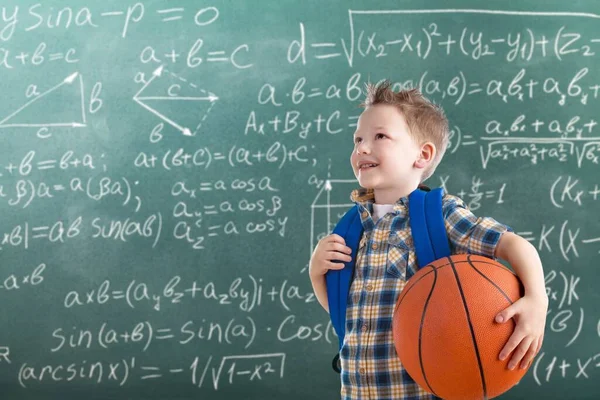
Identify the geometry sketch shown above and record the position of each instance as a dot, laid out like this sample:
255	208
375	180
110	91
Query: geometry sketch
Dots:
176	101
52	108
333	196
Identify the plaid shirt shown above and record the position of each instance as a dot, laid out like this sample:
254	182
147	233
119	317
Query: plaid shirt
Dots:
385	261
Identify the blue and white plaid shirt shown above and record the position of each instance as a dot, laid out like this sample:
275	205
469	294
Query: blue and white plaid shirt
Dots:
385	261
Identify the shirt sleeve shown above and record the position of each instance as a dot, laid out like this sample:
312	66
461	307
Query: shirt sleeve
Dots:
468	233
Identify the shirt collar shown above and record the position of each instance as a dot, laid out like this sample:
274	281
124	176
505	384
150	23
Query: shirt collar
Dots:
365	199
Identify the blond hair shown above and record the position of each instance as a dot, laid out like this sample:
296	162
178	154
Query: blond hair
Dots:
426	121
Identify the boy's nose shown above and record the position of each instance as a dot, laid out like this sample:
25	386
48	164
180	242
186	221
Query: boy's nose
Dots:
362	148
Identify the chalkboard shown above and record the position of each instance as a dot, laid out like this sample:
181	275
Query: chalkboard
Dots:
167	167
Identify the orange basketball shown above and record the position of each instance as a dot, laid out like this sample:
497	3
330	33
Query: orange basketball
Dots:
444	329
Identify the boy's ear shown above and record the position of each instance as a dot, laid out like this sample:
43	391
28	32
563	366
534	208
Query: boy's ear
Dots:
426	156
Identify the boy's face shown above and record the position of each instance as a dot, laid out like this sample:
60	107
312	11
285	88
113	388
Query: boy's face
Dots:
384	154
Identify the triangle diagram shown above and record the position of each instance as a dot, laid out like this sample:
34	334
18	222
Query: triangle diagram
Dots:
59	106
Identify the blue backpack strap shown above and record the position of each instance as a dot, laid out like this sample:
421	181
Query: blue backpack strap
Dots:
435	223
338	281
427	226
419	229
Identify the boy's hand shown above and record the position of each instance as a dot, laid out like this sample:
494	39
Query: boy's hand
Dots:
529	313
329	249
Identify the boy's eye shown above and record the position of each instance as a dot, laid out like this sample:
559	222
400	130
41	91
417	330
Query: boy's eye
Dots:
379	136
357	140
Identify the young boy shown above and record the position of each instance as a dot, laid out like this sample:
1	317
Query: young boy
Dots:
399	141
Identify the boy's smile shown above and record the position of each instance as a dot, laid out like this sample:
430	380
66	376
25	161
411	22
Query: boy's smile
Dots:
366	165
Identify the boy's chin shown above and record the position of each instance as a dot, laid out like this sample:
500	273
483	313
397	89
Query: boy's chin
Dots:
366	182
366	185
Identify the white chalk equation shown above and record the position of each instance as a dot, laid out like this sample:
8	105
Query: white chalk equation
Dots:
536	150
565	235
41	16
276	154
431	39
245	294
546	367
570	190
16	281
120	372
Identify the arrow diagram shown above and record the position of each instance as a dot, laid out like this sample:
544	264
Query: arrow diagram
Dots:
50	108
176	101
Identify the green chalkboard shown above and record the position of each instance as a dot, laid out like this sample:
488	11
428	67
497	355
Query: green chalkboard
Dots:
167	167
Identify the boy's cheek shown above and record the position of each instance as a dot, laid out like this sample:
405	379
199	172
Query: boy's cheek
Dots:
353	164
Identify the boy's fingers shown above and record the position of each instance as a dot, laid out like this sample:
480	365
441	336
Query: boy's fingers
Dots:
520	353
335	265
340	247
337	238
506	314
529	355
336	255
511	344
539	346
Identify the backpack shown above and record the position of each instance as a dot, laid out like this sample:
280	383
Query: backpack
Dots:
430	241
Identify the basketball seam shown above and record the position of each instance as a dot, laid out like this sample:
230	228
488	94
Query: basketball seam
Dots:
405	292
469	256
421	332
497	264
502	292
468	315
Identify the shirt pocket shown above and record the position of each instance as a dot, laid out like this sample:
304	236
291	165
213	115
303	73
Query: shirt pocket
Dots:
398	254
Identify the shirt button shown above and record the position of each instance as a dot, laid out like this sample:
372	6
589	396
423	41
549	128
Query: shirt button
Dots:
361	371
369	287
364	328
365	214
374	246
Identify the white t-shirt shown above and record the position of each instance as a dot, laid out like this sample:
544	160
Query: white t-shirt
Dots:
379	210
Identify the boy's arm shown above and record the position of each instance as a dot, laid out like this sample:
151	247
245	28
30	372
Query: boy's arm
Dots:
320	288
329	251
524	259
529	312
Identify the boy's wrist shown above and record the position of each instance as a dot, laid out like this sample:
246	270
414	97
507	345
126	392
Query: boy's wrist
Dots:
541	295
315	276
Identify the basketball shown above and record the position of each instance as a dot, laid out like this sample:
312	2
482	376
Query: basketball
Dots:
444	329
